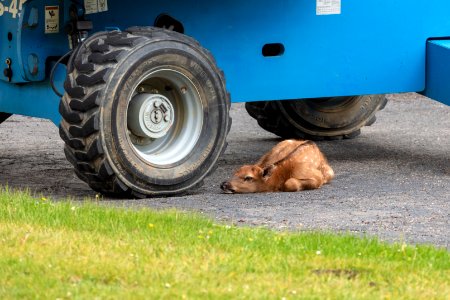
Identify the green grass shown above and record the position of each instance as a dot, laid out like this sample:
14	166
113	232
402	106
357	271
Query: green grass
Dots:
64	250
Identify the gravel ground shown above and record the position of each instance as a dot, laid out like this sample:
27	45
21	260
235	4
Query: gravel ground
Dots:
393	181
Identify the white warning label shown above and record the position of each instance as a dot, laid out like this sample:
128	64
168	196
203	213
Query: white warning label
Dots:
328	7
95	6
90	6
51	19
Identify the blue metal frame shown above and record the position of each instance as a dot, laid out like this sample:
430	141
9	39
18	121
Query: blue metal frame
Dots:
438	71
373	46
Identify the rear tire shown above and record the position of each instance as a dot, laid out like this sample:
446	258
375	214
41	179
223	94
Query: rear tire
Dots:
317	119
145	113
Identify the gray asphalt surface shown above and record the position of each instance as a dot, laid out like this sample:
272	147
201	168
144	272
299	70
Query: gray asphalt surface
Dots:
393	181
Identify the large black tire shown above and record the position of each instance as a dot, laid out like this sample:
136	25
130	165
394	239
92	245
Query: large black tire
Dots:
3	117
115	141
317	119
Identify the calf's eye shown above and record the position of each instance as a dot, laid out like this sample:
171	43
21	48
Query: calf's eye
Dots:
248	178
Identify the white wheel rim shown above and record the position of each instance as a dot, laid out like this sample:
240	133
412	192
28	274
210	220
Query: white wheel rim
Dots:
163	137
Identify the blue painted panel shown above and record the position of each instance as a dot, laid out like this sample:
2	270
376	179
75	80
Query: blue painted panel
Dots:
34	40
29	47
438	71
10	48
372	47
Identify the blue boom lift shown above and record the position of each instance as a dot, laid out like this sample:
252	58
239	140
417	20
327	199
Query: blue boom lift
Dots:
138	87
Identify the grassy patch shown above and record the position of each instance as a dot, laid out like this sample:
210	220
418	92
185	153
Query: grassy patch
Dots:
61	250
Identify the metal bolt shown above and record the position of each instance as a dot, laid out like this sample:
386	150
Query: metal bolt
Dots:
8	71
184	90
167	118
163	108
141	89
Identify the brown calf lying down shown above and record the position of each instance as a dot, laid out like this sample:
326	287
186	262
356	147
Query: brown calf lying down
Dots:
291	166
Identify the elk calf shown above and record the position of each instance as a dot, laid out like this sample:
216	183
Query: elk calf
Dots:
291	166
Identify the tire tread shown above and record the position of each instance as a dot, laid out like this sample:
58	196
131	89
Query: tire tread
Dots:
88	71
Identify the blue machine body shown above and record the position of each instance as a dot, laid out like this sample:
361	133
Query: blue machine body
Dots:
369	47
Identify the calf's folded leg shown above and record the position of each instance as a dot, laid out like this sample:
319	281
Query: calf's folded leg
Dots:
306	177
295	185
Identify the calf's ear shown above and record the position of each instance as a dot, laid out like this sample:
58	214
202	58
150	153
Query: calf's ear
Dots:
257	171
267	172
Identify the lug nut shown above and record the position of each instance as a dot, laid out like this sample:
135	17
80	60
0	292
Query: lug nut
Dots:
163	108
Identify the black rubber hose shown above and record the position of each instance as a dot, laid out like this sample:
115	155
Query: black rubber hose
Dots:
52	73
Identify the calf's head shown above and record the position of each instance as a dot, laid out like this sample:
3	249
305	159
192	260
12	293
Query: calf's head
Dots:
248	179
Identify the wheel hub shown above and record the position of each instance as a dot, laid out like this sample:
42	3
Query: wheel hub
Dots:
150	115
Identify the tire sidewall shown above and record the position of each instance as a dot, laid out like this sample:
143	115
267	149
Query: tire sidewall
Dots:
357	114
